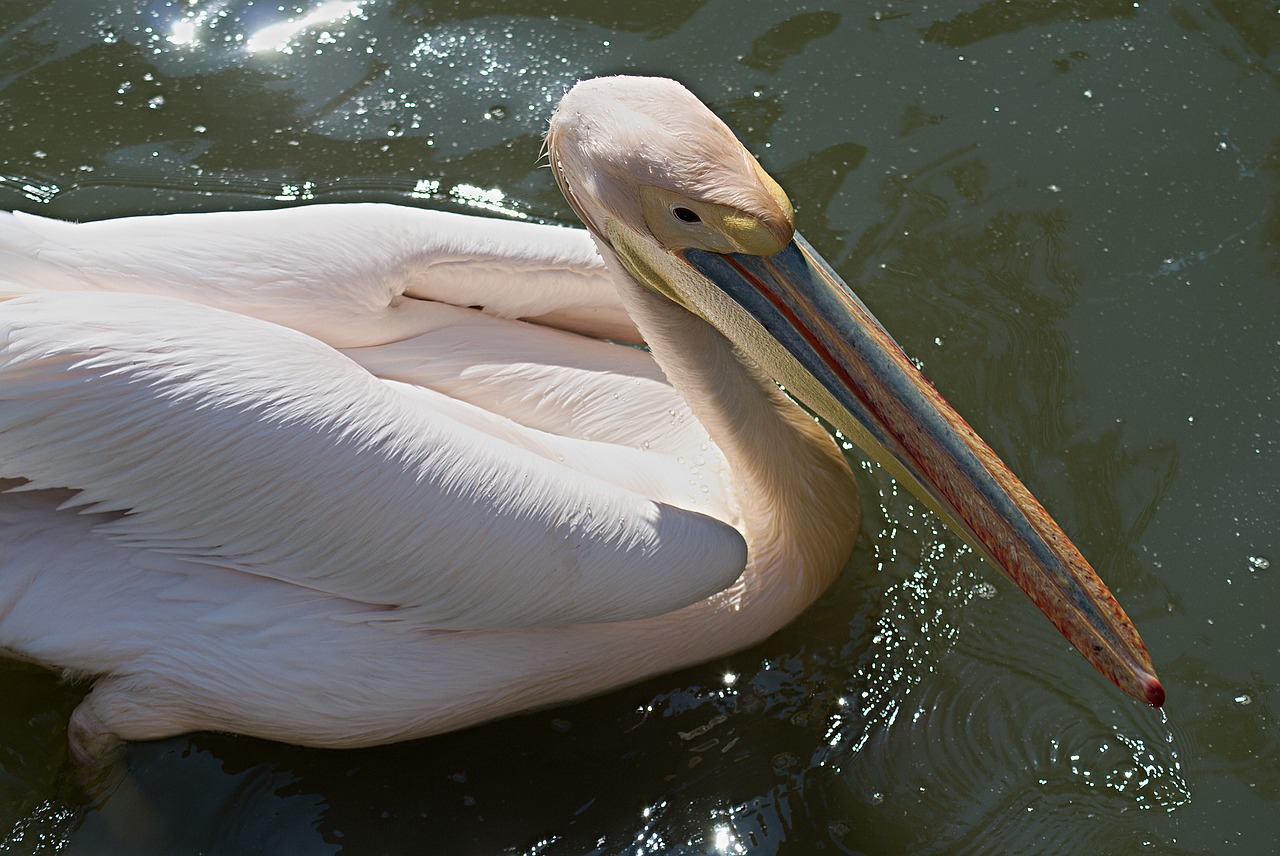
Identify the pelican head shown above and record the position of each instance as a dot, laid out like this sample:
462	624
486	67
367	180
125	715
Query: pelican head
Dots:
649	158
666	187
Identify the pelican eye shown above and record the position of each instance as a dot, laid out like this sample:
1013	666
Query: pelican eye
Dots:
686	215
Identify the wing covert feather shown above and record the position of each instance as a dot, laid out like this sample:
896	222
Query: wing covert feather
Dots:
239	443
339	273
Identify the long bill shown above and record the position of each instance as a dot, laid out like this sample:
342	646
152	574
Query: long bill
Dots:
828	350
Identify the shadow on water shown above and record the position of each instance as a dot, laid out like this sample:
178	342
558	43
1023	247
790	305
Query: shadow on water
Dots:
788	38
996	18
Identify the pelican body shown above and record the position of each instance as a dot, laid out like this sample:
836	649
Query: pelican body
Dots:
347	475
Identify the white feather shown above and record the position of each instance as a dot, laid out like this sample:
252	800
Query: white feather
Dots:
282	458
337	272
301	474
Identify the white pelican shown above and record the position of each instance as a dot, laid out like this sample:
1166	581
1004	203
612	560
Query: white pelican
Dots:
301	474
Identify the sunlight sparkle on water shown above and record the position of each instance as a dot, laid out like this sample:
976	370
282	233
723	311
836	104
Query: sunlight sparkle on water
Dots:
426	188
36	192
723	841
278	36
490	200
183	32
202	18
187	30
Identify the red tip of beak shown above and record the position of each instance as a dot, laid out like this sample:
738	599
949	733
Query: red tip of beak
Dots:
1155	692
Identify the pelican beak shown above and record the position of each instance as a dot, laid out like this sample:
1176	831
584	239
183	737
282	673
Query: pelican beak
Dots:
829	351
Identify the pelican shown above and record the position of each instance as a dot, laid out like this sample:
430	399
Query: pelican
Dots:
344	475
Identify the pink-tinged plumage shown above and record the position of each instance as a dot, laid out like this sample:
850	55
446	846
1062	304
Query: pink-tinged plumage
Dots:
343	475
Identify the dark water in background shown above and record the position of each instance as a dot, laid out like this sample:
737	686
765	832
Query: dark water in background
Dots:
1069	212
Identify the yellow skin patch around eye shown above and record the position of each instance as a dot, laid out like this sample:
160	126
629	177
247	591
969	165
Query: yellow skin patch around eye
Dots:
720	228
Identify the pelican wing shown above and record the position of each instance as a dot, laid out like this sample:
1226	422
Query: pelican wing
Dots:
235	442
545	379
346	274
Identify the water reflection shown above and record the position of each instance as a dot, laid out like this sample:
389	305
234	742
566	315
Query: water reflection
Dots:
240	26
282	37
362	90
201	806
788	38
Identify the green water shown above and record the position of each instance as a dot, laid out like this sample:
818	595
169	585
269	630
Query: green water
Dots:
1068	212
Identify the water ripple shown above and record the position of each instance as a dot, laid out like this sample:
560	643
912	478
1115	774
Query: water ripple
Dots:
981	749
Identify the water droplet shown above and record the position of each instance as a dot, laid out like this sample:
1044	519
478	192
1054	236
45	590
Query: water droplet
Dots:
1259	563
984	590
1243	699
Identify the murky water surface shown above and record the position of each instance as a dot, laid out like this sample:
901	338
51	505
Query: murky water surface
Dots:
1066	211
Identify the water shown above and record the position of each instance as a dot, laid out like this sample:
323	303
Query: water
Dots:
1066	212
